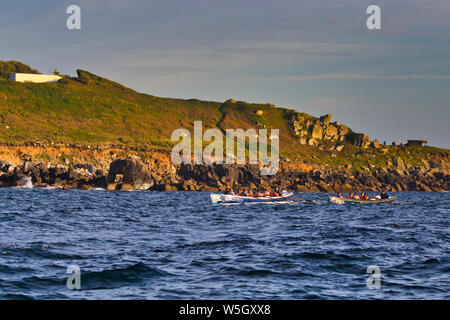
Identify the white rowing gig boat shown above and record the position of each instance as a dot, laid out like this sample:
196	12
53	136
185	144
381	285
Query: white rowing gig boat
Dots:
230	199
338	200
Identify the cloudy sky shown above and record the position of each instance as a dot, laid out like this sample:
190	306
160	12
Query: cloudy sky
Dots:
313	56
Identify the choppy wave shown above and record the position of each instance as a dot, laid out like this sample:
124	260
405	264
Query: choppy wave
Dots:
177	246
118	277
25	183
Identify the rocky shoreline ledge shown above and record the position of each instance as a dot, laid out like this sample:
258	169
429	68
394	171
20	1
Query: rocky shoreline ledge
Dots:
132	173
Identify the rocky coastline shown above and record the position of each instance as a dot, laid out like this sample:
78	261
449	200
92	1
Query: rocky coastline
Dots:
89	132
127	171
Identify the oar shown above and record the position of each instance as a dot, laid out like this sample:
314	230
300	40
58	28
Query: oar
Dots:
270	200
305	200
263	198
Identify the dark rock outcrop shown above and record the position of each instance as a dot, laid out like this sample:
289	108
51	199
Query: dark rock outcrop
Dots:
133	173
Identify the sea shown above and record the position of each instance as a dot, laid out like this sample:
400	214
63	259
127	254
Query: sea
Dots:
72	244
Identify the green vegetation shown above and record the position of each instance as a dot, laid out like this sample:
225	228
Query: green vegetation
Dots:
7	67
92	110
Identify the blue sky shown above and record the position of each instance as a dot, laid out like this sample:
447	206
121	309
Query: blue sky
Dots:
313	56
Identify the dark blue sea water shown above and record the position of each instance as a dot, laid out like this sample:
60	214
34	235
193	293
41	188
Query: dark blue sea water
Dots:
176	245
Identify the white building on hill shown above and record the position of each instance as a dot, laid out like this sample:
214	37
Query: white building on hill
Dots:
35	78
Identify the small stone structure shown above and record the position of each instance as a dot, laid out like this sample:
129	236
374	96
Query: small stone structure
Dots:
419	143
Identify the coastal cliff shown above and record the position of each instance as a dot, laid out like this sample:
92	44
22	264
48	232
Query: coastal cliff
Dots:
87	131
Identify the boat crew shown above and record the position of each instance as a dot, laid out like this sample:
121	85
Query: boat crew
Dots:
229	191
278	192
384	195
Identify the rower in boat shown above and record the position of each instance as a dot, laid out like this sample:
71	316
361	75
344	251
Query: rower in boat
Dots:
254	194
364	196
342	200
229	191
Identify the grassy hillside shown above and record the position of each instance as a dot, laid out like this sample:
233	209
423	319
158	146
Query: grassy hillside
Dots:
7	67
92	110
